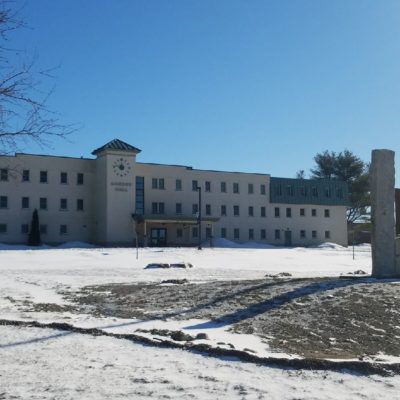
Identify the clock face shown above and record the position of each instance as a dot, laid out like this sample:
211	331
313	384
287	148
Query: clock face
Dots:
121	167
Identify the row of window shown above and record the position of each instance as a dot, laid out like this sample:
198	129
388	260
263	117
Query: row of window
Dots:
251	233
43	203
303	191
159	183
302	212
63	229
159	208
43	176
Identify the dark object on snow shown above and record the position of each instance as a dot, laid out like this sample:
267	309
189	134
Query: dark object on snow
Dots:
156	265
34	234
165	265
175	281
180	336
181	265
202	336
277	276
359	272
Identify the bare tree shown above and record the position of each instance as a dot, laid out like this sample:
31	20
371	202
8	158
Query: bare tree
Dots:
24	115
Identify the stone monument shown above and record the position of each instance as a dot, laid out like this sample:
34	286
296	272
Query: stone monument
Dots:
385	262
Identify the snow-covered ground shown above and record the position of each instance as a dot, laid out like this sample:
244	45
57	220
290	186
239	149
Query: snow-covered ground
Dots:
43	363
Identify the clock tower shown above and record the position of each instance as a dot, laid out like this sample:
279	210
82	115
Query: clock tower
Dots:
114	200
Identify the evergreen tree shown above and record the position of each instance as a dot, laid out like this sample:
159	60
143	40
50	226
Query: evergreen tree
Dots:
34	234
346	167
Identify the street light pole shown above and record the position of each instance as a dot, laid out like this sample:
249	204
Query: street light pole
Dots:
199	217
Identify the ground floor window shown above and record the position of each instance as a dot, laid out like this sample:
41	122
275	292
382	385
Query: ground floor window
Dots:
263	234
179	233
223	233
3	228
327	234
63	229
236	233
251	234
24	229
277	234
208	233
314	234
195	232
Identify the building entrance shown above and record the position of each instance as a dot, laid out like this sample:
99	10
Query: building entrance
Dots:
158	237
288	238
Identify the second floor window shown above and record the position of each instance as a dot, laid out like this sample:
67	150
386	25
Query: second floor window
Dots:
25	202
63	204
223	211
208	186
277	212
79	204
63	177
43	203
250	188
208	209
223	187
263	211
178	208
178	184
43	176
195	209
251	211
236	211
3	202
79	178
235	187
25	175
4	174
262	189
157	208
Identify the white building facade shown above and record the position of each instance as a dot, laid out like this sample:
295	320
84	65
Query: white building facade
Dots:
113	199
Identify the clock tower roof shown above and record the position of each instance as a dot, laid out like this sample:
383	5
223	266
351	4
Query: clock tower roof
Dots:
117	144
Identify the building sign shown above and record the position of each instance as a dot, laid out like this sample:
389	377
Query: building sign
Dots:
121	186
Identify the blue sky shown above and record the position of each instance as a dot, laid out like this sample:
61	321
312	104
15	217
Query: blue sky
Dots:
255	86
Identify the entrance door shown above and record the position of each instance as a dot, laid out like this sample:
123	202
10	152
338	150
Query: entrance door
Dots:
158	237
288	238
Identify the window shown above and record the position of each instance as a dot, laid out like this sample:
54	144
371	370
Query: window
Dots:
302	212
303	191
327	234
194	185
327	213
223	211
339	193
288	212
314	191
157	183
223	233
236	211
251	211
178	184
4	174
25	175
251	234
157	208
314	234
208	209
327	192
195	232
314	212
302	234
195	208
289	190
277	234
43	229
3	228
208	186
208	233
43	203
79	204
24	229
161	183
262	189
64	178
263	212
43	176
179	233
139	196
63	204
25	202
63	229
79	178
250	188
235	188
277	212
236	233
223	187
263	234
178	208
3	202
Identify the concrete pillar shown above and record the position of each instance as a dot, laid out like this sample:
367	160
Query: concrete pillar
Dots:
382	212
397	198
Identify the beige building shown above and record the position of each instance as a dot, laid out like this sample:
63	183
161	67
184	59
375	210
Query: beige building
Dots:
113	199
